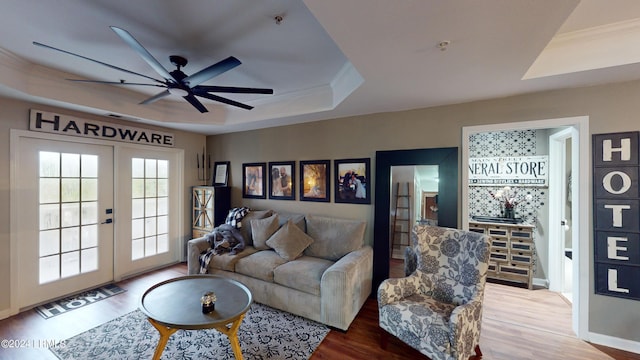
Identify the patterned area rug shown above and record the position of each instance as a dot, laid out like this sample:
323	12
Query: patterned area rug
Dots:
265	333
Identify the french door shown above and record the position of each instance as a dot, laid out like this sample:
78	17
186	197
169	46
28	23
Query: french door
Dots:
88	214
148	209
64	206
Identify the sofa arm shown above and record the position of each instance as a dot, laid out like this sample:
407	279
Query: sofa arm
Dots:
345	286
194	248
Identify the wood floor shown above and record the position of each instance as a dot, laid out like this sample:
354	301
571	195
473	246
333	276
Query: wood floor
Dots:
517	324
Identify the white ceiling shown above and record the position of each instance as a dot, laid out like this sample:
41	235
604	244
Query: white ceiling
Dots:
326	59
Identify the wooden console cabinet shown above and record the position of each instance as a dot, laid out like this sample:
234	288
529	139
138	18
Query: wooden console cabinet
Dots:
512	250
210	208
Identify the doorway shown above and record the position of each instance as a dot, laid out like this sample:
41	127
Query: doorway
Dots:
88	212
579	213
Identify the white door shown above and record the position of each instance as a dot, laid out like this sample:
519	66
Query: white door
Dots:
147	223
65	196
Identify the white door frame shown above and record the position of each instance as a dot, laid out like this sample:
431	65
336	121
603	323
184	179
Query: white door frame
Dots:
557	200
580	186
14	136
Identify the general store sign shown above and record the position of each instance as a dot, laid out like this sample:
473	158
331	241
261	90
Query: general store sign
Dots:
67	125
513	171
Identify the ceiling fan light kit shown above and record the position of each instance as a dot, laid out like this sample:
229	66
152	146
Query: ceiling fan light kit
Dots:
176	82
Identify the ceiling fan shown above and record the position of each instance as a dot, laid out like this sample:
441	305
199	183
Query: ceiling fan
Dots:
176	82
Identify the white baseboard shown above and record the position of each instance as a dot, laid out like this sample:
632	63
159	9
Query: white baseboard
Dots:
614	342
541	282
7	313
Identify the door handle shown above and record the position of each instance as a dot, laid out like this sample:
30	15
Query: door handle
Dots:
108	221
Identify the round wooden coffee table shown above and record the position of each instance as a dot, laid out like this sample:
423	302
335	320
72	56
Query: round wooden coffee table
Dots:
175	304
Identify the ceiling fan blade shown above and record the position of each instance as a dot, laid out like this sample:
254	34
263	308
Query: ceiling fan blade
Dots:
114	82
235	90
156	97
96	61
196	103
223	100
146	56
211	71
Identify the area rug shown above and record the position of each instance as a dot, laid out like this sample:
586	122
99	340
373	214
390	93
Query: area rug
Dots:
67	304
265	333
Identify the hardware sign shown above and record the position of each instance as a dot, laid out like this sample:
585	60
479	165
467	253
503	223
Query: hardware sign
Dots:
616	213
66	125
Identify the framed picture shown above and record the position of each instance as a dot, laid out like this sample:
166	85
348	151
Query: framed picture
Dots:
281	180
254	181
352	181
315	177
220	173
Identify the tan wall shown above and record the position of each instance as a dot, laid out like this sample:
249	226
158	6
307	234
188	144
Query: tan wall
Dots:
611	108
15	115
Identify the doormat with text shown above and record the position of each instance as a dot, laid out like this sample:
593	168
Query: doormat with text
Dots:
67	304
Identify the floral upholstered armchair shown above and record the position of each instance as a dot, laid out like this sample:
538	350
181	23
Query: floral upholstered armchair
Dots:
438	308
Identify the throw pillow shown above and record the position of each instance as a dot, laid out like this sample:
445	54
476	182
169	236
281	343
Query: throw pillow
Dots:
290	241
262	229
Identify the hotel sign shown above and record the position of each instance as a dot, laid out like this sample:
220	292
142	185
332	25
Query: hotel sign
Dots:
616	213
512	171
67	125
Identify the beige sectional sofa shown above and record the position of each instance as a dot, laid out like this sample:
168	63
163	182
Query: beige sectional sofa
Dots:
312	266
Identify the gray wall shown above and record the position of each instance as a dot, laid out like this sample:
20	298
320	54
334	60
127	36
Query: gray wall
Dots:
611	108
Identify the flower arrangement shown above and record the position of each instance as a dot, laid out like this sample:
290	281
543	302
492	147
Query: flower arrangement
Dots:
508	198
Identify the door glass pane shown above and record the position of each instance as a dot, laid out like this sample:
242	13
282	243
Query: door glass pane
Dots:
89	213
150	226
163	169
70	264
137	168
70	214
70	239
49	268
150	191
163	187
137	208
49	190
49	164
137	249
49	216
49	242
150	170
70	190
89	236
163	206
89	166
137	188
70	165
163	243
150	207
89	260
89	190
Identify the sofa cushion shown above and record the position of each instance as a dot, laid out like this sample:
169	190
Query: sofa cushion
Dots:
297	219
246	230
289	241
226	261
334	238
262	229
260	265
303	273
